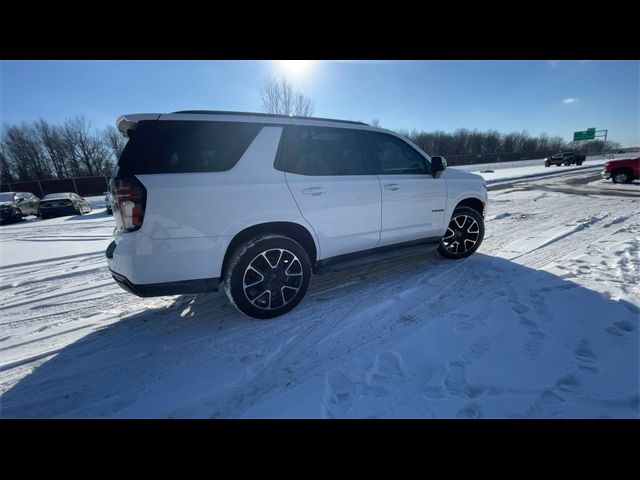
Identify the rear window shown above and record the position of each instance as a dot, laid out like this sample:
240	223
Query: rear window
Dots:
56	196
186	146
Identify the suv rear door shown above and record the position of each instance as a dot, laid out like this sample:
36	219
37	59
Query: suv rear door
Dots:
333	185
413	201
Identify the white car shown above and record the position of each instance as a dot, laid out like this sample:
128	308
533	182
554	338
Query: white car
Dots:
257	202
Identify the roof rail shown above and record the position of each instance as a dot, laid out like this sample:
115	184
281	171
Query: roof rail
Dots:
271	115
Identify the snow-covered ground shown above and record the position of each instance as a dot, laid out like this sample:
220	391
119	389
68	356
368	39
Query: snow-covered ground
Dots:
609	185
541	322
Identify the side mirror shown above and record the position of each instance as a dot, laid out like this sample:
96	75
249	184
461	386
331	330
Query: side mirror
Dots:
438	165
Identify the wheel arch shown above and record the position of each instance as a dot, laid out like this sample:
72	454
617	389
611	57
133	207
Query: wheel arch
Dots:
293	230
472	202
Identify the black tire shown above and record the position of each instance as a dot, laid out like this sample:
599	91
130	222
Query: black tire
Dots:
462	228
579	163
546	164
254	259
567	164
109	211
17	215
558	164
620	176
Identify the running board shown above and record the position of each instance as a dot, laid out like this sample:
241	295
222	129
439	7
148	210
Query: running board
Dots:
342	262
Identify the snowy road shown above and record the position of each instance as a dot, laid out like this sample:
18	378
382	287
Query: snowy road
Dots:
542	322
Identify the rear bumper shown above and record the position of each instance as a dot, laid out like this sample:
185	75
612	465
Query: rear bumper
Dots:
184	287
54	211
128	267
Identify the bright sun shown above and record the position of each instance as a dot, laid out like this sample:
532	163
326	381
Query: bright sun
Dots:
295	66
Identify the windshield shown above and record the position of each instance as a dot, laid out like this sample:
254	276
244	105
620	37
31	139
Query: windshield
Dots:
6	197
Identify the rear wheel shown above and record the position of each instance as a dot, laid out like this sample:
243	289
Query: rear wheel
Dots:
267	276
464	234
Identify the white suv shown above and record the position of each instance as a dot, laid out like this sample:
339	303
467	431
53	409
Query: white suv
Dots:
257	202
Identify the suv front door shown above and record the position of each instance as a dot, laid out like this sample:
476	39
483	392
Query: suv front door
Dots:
334	188
413	201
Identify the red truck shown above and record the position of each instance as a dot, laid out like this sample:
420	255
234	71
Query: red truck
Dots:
624	170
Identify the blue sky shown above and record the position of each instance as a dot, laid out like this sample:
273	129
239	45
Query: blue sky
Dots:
556	97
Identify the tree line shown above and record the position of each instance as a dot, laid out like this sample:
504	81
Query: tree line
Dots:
483	144
41	150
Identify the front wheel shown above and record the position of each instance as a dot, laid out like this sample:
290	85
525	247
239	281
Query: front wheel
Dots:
267	276
17	215
464	234
620	177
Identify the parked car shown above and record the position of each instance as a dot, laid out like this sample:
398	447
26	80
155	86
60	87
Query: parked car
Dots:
256	202
566	158
108	203
67	203
15	205
623	170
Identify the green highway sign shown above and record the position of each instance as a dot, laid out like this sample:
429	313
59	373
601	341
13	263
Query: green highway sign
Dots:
588	134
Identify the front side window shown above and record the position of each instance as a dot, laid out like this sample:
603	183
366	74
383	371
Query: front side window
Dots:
320	151
393	156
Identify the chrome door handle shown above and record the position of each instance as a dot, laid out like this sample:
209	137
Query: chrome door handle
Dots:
392	186
315	191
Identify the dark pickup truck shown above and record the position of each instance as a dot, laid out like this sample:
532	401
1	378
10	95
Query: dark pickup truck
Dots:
565	158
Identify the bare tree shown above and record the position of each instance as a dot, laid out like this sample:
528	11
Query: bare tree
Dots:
22	145
55	145
89	149
114	139
279	97
6	175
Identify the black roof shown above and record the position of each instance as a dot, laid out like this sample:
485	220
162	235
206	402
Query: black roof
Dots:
270	115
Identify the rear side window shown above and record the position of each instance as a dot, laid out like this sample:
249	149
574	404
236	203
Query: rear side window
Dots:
320	151
391	156
186	146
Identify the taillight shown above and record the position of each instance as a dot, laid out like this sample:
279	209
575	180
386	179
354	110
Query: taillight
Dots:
129	201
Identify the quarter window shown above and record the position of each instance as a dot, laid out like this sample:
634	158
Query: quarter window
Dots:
168	146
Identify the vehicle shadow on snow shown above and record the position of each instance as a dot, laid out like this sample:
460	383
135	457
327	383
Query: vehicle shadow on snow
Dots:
161	361
90	216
